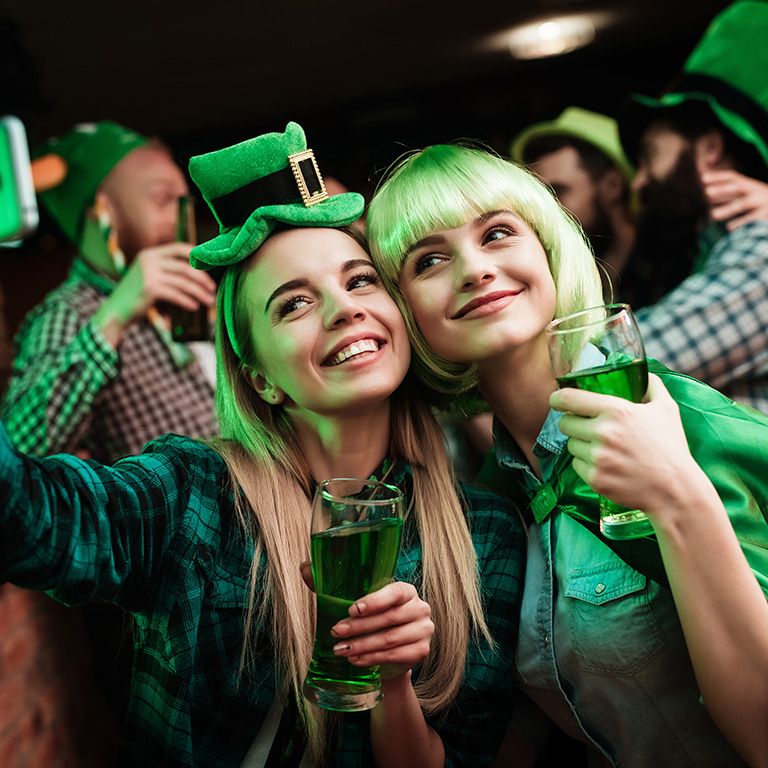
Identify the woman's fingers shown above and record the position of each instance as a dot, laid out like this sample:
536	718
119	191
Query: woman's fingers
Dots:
391	626
388	642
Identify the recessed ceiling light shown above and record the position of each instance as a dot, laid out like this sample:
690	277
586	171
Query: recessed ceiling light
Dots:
550	36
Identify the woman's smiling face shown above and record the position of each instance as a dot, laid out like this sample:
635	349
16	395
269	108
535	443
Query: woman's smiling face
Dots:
481	289
327	336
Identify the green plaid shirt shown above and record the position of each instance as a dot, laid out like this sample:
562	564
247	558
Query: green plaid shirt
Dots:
156	535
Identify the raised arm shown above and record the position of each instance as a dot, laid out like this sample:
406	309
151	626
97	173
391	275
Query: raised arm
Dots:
88	532
638	455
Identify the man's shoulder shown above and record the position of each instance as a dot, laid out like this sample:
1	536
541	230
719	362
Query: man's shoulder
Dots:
70	297
748	239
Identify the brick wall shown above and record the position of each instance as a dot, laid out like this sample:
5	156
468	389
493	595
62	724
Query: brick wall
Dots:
51	713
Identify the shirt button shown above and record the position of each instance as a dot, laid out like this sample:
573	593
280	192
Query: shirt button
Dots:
600	588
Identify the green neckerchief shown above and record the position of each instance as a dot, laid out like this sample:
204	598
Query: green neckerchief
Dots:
81	270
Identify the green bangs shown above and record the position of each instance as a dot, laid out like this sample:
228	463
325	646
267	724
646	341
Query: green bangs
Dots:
446	185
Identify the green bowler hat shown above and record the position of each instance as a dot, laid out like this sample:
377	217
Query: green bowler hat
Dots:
256	185
726	71
90	151
599	130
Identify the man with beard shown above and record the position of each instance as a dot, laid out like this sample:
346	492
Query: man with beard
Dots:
579	156
96	369
714	325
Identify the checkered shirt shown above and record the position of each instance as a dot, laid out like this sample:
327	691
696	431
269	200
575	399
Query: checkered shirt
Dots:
156	534
70	389
714	325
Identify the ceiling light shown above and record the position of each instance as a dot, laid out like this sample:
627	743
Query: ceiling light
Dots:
551	37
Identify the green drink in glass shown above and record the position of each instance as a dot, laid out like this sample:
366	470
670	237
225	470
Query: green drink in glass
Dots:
355	541
601	350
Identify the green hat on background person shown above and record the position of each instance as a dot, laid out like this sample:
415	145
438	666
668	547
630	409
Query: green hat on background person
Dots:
727	72
259	184
90	151
254	187
598	130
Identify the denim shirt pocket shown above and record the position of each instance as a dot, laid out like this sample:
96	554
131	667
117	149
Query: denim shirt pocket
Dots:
613	627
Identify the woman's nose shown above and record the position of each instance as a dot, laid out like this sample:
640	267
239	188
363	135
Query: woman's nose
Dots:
473	271
344	309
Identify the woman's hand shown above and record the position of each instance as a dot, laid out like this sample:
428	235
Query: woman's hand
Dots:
635	454
734	198
391	627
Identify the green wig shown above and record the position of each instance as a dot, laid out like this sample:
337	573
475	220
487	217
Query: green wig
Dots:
443	187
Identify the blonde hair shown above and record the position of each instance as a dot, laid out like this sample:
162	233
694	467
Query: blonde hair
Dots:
272	483
446	185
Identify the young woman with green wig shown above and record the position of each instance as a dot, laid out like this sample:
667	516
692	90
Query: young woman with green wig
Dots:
651	652
202	542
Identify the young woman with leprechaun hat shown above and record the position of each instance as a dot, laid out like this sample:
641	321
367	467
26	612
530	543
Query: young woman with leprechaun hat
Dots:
649	651
202	543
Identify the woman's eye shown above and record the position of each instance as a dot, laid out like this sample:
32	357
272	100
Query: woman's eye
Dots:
425	262
291	305
497	233
362	280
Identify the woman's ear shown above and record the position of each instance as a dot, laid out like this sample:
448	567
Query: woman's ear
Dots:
268	392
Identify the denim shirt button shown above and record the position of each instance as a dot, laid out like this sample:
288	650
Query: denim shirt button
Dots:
600	588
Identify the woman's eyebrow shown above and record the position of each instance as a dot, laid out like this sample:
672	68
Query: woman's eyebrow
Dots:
428	240
438	239
302	282
284	288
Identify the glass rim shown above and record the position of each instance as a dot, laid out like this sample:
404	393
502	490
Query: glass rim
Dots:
552	327
328	496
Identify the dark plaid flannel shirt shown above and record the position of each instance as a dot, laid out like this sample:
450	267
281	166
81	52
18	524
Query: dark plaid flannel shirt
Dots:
714	325
156	534
71	389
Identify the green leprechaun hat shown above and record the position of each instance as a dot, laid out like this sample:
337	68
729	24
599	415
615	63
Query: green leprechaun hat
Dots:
726	72
256	185
89	151
601	131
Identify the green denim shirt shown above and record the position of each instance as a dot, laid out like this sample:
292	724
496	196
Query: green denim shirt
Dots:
156	534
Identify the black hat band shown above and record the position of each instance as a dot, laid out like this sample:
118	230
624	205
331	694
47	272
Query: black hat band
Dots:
300	182
727	96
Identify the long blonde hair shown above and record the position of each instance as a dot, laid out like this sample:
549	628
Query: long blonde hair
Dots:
272	483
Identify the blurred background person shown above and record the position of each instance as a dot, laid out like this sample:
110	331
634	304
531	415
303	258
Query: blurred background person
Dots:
95	367
95	370
714	325
579	156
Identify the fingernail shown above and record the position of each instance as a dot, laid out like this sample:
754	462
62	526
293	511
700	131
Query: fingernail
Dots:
340	629
360	606
341	647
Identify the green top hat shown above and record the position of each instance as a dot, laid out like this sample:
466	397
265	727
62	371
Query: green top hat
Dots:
254	186
726	72
599	130
90	151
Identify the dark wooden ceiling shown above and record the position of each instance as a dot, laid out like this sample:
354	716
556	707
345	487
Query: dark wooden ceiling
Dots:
364	78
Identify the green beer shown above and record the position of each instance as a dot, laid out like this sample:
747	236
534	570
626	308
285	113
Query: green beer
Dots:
348	561
627	380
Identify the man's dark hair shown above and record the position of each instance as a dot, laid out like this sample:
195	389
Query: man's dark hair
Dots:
693	120
593	160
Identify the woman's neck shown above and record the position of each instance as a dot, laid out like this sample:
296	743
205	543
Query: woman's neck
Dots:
517	386
348	445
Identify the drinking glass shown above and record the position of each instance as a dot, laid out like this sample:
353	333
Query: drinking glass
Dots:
600	349
354	544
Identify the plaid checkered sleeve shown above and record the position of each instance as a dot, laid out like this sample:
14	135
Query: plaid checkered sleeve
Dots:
714	325
61	366
475	724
